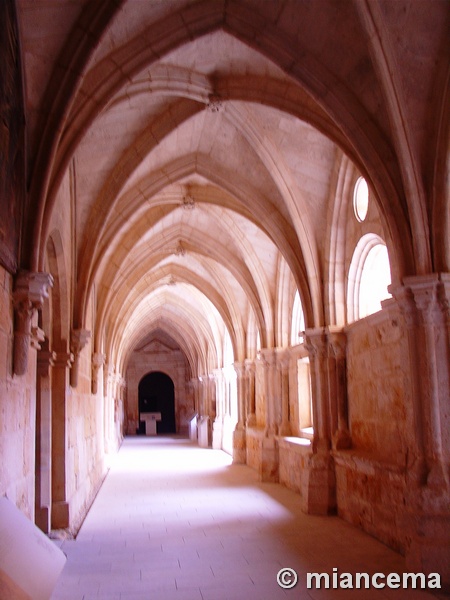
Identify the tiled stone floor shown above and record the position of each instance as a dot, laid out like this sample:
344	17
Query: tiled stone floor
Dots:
173	521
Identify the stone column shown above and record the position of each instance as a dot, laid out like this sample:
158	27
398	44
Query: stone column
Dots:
424	303
43	481
337	383
270	373
78	340
240	376
217	430
98	360
60	379
122	384
269	458
316	344
30	291
109	396
239	434
195	386
321	488
211	394
284	359
250	392
203	404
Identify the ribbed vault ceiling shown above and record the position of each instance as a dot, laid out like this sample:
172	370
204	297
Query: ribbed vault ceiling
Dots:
203	141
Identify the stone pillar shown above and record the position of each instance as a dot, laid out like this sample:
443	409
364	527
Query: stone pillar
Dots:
321	488
212	396
424	303
217	430
109	403
226	397
316	344
98	360
195	391
60	379
250	392
239	434
269	462
284	359
78	340
118	387
270	373
337	383
43	480
30	291
240	376
203	423
201	397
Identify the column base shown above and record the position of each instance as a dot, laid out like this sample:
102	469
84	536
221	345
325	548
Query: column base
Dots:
428	524
240	447
251	420
42	518
342	440
204	432
217	434
269	470
60	515
321	488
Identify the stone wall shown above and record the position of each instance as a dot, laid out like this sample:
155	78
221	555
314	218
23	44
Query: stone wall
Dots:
294	455
86	460
371	477
17	413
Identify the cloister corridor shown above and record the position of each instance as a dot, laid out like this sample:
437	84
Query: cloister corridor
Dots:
224	297
174	521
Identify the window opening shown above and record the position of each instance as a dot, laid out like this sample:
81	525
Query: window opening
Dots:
375	279
298	321
304	397
361	199
369	277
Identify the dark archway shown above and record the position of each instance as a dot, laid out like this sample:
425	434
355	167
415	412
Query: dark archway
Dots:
157	394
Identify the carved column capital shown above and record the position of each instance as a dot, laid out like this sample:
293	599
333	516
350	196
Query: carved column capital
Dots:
444	294
63	359
423	299
284	358
268	357
46	359
316	342
30	291
78	340
239	367
98	360
337	344
217	375
37	337
424	290
250	366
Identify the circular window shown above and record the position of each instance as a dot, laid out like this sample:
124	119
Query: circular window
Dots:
361	199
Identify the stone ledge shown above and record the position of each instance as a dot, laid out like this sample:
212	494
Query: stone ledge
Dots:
296	444
365	462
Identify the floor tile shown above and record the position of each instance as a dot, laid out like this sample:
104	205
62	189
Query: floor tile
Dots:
173	521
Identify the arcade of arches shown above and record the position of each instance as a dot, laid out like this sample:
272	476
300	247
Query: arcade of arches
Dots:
250	198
